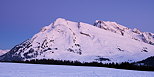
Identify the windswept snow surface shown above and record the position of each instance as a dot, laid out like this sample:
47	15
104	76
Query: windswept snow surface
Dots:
36	70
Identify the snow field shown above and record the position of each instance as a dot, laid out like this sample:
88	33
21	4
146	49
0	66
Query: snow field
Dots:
37	70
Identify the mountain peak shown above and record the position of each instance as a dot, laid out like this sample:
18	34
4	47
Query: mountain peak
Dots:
60	21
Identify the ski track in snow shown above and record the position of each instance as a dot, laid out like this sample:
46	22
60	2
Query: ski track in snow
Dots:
37	70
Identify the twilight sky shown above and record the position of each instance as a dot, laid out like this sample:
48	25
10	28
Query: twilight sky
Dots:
21	19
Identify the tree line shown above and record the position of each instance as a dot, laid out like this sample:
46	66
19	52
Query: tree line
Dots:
123	65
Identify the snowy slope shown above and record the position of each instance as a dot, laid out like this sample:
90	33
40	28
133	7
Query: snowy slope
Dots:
135	34
67	40
36	70
3	52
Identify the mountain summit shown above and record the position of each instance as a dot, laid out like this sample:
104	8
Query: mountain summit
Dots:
66	40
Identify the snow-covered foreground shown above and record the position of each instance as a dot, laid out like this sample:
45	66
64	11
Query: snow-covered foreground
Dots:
36	70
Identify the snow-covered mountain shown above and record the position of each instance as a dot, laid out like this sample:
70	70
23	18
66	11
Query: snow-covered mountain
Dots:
3	52
67	40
